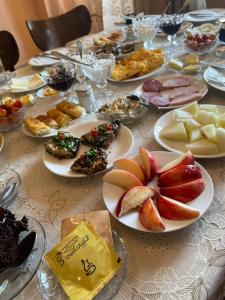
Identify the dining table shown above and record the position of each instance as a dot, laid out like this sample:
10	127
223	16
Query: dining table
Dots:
185	264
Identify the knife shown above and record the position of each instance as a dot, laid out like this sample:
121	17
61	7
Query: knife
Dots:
212	64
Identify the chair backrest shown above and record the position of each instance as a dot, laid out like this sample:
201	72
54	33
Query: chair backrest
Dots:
57	31
9	51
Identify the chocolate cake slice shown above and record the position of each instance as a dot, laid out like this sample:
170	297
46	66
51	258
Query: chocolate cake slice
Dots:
10	230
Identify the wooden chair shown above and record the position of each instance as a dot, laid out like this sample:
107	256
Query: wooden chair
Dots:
9	51
57	31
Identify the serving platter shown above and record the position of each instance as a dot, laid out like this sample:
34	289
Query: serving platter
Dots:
112	193
2	141
119	148
24	90
215	84
178	146
195	82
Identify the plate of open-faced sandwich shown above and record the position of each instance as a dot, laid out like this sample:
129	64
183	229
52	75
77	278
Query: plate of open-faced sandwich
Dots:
87	149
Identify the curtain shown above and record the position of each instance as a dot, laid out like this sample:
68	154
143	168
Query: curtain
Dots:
14	13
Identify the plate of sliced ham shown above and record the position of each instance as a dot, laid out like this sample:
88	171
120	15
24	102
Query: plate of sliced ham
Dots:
172	91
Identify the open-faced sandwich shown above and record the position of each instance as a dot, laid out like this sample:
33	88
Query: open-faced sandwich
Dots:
102	135
91	162
63	146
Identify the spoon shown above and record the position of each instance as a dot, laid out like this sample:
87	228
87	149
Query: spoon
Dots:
137	99
23	251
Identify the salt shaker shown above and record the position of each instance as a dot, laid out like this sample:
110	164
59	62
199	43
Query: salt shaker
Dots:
85	95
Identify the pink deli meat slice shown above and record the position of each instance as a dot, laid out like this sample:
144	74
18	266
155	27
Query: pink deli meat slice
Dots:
152	85
183	91
155	98
185	99
176	82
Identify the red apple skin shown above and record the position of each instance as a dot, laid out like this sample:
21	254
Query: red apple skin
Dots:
149	216
171	209
179	175
188	159
119	204
184	192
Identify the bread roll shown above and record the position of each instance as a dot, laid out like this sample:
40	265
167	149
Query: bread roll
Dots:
48	121
35	126
61	118
73	110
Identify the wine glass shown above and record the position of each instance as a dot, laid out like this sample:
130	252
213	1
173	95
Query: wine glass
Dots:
60	77
170	25
145	28
99	71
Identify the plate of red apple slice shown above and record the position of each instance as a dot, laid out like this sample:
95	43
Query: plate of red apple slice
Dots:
157	191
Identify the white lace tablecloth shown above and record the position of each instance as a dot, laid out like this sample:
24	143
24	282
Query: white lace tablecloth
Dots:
179	265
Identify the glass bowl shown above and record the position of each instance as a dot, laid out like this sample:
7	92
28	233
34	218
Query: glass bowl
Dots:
9	177
11	121
13	281
111	111
50	289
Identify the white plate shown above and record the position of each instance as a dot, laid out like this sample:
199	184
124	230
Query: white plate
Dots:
140	77
1	141
111	194
178	146
195	81
40	94
52	131
42	61
213	84
38	86
204	15
119	148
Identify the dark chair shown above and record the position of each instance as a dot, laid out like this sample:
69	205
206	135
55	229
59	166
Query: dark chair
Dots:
57	31
9	51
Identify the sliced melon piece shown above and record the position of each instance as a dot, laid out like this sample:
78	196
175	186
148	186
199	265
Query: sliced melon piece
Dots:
220	138
209	132
192	108
195	135
174	132
210	107
207	117
191	124
180	115
222	120
202	147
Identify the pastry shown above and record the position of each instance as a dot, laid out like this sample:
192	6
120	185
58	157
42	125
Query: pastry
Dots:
75	111
102	135
48	121
64	145
35	126
61	118
91	162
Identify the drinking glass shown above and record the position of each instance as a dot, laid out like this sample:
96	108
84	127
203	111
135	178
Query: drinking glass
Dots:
145	29
60	77
99	71
170	25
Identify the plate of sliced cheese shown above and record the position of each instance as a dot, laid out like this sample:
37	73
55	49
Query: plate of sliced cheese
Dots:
26	83
46	123
194	127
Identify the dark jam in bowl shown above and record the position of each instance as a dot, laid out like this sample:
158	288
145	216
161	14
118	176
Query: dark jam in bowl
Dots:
170	28
62	84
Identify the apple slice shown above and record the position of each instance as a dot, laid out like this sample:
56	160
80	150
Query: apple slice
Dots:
195	135
133	198
131	166
209	132
150	217
174	210
207	117
220	138
184	192
192	108
202	147
184	159
122	178
175	132
179	175
149	163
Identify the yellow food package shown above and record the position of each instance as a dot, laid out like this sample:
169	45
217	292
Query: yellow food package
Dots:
83	262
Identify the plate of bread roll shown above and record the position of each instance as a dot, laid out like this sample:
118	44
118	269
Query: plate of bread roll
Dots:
56	117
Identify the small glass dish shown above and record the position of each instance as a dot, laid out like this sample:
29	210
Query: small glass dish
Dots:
13	281
13	120
50	289
113	111
9	177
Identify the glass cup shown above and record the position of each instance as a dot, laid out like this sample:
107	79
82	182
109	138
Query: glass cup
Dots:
170	25
145	29
60	77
